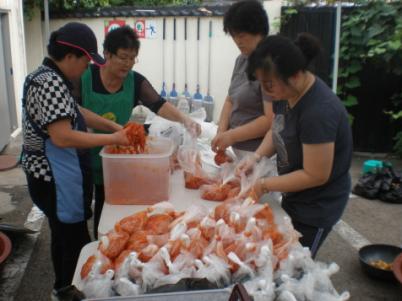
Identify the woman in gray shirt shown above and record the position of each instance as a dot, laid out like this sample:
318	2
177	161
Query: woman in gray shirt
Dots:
245	117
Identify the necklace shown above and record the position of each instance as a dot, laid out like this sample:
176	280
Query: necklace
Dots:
307	83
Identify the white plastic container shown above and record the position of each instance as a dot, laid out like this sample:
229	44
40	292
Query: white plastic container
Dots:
141	179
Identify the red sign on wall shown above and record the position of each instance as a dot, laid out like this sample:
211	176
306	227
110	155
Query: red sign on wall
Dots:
139	27
113	24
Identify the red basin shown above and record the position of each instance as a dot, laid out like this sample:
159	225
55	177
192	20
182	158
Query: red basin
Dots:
5	247
397	268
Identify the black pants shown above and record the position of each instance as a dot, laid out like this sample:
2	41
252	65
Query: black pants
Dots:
99	200
313	237
67	240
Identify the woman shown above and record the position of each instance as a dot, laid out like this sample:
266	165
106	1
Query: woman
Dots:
54	139
113	90
310	135
245	117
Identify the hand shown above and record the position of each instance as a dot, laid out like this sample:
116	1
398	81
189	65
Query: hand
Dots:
222	141
247	164
258	189
120	137
192	127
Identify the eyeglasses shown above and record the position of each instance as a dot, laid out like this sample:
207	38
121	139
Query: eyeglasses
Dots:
126	59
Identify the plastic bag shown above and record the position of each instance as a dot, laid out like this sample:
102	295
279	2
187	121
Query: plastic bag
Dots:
264	168
213	268
98	285
125	287
161	127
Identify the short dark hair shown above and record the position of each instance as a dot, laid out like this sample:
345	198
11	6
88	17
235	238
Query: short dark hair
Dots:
123	37
282	56
246	16
58	51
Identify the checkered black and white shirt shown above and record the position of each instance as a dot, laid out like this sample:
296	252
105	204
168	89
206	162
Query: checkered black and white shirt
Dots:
48	99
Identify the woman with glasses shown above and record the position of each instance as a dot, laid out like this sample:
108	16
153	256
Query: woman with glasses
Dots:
310	135
245	117
113	90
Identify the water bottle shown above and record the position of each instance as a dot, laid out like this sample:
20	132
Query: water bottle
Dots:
173	100
209	108
139	115
196	104
183	105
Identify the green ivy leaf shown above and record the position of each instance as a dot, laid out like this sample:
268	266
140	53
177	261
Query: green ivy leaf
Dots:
375	30
354	67
350	101
395	45
353	82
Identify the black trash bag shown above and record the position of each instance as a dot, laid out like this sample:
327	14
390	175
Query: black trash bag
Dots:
393	196
368	185
384	184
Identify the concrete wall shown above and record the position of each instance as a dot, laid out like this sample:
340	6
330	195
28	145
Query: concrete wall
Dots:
13	9
223	51
34	33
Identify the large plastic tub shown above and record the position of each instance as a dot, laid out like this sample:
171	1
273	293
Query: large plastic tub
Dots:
141	179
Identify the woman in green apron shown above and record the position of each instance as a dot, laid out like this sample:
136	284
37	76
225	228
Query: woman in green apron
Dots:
114	89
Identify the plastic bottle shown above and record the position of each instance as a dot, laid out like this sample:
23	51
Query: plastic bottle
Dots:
183	105
209	108
196	104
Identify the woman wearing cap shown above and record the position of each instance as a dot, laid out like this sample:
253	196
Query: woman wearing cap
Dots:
245	117
113	90
310	135
54	141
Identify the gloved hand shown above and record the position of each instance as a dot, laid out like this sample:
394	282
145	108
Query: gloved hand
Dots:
222	141
192	127
259	189
247	164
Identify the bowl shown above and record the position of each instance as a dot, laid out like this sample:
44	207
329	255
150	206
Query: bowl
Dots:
386	253
5	247
397	268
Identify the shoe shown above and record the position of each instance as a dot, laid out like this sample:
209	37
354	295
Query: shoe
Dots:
68	293
53	296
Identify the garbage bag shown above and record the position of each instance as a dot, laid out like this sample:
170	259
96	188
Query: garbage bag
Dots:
384	184
368	185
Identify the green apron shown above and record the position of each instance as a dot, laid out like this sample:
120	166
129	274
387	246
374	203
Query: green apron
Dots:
116	107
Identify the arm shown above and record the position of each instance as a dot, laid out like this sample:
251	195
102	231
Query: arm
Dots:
317	166
254	129
225	115
171	113
97	122
63	136
266	147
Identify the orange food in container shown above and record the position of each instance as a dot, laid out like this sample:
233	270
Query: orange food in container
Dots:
138	179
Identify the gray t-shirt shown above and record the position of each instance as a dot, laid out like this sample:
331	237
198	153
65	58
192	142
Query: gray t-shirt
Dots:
318	117
247	103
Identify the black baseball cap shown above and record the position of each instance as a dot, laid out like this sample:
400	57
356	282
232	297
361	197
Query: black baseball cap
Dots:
80	36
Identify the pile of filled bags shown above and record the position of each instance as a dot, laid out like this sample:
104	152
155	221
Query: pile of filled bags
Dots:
237	241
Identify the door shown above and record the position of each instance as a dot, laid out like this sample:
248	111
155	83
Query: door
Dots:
5	80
